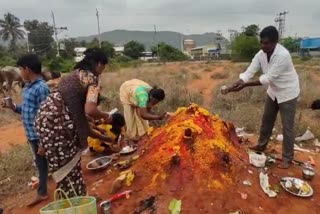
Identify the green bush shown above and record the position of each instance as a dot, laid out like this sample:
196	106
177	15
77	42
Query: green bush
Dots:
7	61
244	48
133	49
123	59
60	64
169	53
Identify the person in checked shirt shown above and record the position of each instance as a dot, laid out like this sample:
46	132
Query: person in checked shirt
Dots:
282	80
34	92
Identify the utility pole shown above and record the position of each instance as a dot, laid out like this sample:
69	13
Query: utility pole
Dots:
155	41
182	42
98	21
55	33
28	48
281	20
232	34
219	38
55	28
27	37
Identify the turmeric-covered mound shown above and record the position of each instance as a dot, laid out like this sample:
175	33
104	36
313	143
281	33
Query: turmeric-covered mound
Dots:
193	147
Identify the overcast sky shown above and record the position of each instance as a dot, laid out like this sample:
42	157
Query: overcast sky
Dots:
186	16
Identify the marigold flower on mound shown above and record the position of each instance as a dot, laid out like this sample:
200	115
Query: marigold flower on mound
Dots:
210	153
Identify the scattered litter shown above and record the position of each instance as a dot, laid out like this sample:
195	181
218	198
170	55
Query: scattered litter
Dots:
270	161
279	137
34	179
125	176
264	183
297	148
244	196
5	180
118	196
175	206
276	188
308	135
147	204
257	159
241	133
34	183
86	151
311	161
236	212
250	171
247	183
316	143
97	183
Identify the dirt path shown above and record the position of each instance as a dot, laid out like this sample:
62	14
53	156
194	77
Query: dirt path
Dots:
205	84
12	134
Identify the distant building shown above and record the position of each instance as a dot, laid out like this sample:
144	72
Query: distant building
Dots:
188	45
119	50
310	46
79	51
147	56
204	52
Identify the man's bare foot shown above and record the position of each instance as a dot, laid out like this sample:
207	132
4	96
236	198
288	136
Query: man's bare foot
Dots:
256	148
284	165
38	199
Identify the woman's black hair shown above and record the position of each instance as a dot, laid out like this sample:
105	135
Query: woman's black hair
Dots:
117	123
157	93
93	56
55	74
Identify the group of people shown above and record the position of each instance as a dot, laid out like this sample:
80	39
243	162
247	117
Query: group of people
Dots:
58	124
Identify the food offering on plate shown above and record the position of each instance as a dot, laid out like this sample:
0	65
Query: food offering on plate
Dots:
296	187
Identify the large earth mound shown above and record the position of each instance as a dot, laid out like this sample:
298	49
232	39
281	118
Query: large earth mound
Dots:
194	157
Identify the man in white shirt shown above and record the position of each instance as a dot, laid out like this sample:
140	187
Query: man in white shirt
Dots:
282	80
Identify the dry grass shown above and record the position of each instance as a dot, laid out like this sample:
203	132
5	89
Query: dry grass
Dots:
220	75
246	107
174	84
16	164
7	117
207	69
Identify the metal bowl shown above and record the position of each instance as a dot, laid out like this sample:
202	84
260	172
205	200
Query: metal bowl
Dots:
99	163
308	174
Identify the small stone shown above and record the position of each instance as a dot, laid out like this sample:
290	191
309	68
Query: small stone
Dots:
247	183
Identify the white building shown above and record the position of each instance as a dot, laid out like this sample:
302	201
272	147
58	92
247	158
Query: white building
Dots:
79	53
119	50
